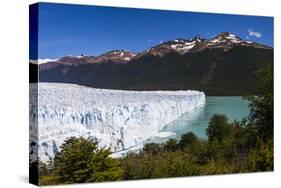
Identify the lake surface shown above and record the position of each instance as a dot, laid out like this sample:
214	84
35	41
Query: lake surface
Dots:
196	121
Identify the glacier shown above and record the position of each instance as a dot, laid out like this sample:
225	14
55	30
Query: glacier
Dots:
119	119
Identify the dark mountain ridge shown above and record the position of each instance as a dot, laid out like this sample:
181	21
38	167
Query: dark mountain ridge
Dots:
223	65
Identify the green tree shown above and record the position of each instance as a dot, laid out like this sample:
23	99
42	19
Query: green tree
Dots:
261	114
261	157
152	148
171	145
188	140
81	160
218	128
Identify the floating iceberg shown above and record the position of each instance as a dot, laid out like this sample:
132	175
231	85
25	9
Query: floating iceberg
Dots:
119	119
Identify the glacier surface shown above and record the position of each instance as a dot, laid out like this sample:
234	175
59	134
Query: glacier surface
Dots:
119	119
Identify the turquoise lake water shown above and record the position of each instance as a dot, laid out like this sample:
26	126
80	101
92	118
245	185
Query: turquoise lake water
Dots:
196	121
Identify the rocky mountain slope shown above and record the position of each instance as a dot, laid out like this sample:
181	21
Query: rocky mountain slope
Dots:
223	65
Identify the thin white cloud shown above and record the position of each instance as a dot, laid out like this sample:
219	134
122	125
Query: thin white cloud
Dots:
256	34
41	61
149	40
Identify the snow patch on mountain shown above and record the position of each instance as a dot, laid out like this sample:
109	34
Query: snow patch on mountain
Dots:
225	39
183	47
233	38
120	119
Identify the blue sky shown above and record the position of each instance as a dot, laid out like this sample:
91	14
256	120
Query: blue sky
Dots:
75	30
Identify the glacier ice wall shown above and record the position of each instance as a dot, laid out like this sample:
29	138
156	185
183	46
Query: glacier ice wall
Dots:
120	119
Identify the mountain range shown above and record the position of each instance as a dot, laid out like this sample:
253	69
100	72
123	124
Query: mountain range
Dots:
223	65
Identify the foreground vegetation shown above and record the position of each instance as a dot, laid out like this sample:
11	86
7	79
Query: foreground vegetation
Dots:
231	147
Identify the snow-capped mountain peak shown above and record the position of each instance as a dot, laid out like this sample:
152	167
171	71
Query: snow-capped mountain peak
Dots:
227	41
116	56
224	40
179	45
197	38
226	37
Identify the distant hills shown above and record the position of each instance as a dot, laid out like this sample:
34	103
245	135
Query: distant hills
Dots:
223	65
